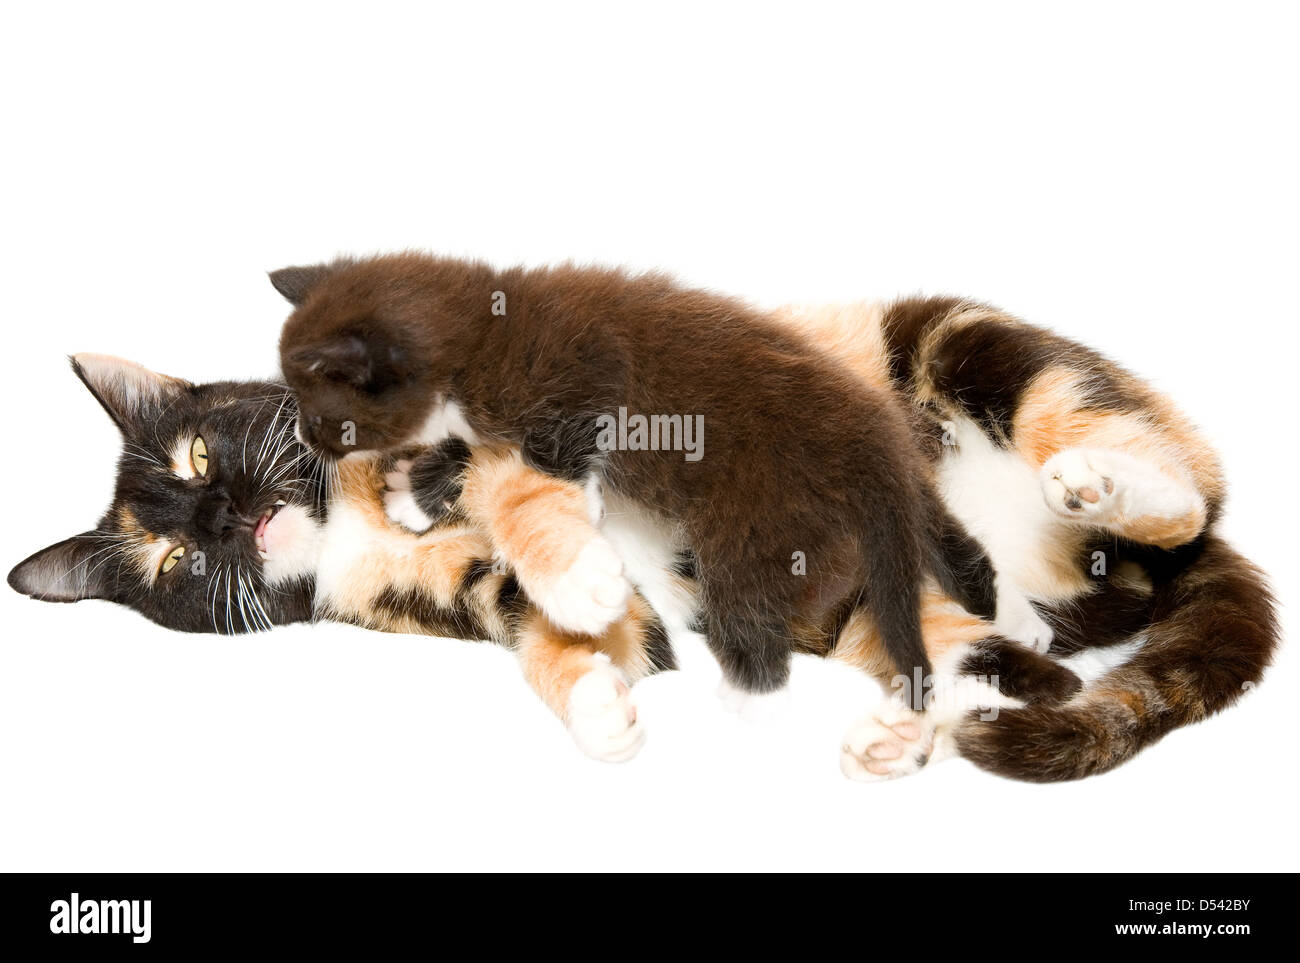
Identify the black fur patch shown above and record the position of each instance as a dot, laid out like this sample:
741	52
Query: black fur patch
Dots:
985	367
1020	672
657	646
564	447
437	475
456	622
906	322
686	565
511	599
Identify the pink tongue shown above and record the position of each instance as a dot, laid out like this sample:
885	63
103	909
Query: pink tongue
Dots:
261	526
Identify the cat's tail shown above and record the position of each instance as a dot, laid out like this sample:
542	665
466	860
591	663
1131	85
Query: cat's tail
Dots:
1212	633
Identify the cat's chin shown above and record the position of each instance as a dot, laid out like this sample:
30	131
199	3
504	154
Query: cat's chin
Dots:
288	541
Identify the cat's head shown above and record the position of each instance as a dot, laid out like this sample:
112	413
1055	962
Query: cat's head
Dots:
216	513
363	347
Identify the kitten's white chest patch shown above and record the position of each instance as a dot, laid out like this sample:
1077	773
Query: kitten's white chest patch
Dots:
446	420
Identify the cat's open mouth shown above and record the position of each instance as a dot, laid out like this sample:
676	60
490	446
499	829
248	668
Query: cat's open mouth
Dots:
259	530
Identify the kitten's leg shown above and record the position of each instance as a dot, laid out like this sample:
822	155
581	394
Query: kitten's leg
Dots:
544	528
750	642
1123	494
583	687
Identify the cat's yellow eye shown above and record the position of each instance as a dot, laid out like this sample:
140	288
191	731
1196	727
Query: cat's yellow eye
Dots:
174	556
199	456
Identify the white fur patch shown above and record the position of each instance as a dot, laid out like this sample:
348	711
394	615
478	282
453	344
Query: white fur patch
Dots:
648	545
298	544
1017	620
401	508
179	460
1091	664
446	420
346	535
602	718
998	497
595	499
591	594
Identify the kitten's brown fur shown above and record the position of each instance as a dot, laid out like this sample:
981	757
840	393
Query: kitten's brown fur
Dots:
800	458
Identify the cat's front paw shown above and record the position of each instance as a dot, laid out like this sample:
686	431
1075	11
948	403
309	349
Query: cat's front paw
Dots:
893	741
602	718
399	501
1080	485
590	595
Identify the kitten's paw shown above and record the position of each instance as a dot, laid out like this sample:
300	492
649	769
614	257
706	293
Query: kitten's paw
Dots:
590	595
602	718
1080	485
1019	621
401	509
399	501
753	707
893	741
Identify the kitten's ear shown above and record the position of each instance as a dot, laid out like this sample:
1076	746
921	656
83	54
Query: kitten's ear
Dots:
368	364
67	571
295	283
129	392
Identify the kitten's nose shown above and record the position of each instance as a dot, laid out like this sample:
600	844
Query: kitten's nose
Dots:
308	430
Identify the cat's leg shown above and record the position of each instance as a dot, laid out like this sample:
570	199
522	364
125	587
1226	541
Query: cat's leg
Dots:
1136	468
1111	451
542	527
587	682
1125	494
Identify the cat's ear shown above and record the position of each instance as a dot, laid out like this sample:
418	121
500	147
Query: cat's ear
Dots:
67	571
295	283
369	364
129	392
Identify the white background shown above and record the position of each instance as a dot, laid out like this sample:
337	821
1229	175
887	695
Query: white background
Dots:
1123	172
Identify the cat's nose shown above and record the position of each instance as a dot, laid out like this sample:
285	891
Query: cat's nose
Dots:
218	515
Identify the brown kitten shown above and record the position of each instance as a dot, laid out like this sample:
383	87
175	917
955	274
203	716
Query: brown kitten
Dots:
811	495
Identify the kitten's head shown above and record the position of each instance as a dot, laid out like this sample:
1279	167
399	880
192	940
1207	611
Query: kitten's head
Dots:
216	513
363	350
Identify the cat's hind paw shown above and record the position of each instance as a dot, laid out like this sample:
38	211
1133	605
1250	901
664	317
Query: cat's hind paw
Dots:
1080	485
893	741
590	595
602	718
1018	620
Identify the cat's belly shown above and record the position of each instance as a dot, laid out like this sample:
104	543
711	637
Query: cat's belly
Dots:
998	496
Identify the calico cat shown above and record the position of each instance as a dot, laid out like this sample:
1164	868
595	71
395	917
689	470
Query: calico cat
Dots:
1097	498
222	521
836	510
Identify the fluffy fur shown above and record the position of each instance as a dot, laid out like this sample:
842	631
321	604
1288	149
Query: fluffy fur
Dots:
1093	493
1095	497
838	508
502	533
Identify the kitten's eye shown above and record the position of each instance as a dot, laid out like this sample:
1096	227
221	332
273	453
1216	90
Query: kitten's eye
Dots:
174	556
199	456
